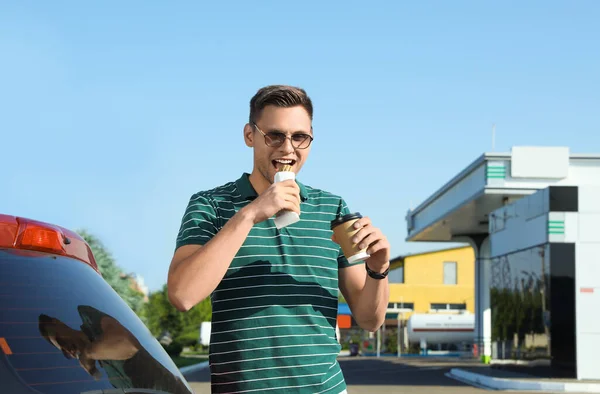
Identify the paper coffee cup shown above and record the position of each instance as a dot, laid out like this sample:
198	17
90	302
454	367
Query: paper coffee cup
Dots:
343	231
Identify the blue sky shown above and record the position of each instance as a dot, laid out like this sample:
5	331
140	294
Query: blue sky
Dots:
112	114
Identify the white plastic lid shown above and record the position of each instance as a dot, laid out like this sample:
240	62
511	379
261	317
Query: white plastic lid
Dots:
358	257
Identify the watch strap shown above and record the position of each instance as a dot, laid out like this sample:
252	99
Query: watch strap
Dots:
377	275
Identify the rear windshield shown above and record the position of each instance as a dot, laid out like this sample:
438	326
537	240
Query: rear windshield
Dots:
64	330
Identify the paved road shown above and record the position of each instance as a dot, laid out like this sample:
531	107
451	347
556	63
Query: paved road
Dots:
385	375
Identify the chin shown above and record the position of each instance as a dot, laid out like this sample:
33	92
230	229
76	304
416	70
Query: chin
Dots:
269	175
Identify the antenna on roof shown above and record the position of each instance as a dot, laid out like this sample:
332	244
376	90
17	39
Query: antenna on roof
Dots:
493	136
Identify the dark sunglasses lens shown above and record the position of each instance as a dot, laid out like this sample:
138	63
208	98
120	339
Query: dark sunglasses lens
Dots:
275	139
301	140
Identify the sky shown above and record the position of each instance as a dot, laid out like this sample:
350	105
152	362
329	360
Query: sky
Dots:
112	114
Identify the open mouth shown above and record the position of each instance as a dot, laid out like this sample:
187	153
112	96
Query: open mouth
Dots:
279	163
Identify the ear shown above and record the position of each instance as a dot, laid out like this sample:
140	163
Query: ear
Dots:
249	135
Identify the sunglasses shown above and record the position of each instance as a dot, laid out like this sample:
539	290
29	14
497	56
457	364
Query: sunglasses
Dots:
275	139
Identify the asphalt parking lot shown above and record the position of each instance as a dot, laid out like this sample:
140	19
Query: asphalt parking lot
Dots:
365	375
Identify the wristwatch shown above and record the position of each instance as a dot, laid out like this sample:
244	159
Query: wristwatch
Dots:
377	275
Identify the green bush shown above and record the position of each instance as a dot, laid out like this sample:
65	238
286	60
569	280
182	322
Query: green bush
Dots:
347	335
174	348
391	341
201	349
188	339
414	348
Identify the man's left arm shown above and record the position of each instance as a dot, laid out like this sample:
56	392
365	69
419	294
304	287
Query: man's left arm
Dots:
367	297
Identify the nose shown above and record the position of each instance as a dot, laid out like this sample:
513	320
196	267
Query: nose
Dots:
287	146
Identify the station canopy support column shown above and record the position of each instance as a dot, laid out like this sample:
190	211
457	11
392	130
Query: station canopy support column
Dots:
483	277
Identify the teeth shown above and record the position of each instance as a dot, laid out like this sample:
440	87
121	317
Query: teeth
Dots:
284	161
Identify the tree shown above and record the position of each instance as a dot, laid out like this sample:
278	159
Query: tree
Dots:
163	317
112	273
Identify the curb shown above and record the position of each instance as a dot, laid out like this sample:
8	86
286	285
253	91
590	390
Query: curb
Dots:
194	367
521	385
468	382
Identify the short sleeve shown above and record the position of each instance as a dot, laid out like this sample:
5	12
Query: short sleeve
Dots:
199	223
342	261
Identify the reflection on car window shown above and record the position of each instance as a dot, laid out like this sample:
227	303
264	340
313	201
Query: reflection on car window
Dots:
69	332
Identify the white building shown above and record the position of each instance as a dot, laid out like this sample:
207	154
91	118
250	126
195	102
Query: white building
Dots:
534	256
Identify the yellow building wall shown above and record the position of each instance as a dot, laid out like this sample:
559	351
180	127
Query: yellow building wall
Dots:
424	280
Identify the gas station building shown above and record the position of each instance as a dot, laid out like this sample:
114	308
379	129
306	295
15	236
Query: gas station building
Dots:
532	217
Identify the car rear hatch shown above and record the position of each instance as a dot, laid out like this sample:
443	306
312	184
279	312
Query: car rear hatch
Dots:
63	329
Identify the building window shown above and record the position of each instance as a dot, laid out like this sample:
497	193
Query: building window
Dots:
396	275
446	307
449	272
401	305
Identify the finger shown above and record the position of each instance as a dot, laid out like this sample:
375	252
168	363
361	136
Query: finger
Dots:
370	240
287	187
378	246
362	234
362	222
293	198
296	195
290	189
296	192
290	183
292	206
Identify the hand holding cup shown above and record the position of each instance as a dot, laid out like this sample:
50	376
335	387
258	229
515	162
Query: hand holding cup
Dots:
360	240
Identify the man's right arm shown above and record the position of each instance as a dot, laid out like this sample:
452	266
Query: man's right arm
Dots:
196	270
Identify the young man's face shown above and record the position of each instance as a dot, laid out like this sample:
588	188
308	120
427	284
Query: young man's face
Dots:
295	123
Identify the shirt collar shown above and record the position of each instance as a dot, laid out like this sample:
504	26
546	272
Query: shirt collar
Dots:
248	193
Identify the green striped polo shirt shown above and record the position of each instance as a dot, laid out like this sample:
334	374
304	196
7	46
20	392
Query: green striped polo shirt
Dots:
274	312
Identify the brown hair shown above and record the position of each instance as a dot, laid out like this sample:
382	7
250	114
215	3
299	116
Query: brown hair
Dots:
283	96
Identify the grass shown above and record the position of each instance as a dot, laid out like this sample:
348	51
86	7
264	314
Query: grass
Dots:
195	353
181	361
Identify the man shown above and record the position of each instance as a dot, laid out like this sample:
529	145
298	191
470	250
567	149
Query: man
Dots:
274	292
104	342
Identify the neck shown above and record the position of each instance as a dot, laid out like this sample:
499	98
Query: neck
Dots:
258	182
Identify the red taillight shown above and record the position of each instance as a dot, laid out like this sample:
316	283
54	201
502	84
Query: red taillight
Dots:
9	227
40	238
26	234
